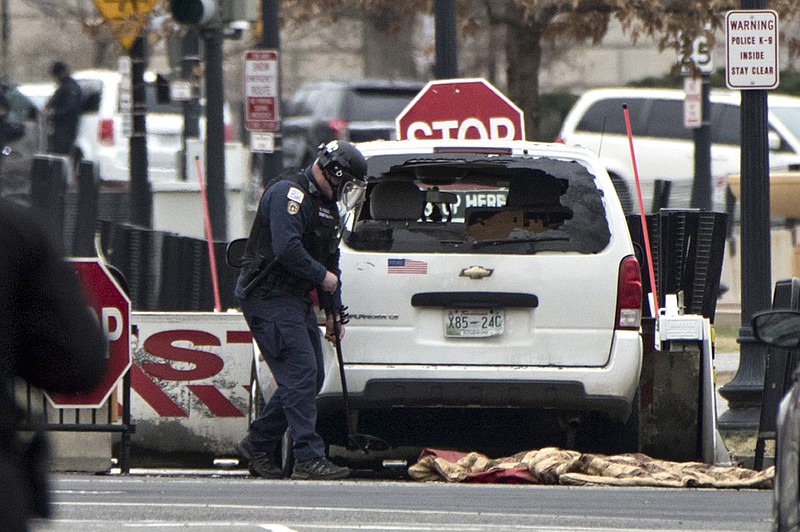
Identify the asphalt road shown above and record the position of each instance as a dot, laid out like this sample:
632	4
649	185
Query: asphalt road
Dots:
202	502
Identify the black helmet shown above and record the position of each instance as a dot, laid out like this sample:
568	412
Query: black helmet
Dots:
342	160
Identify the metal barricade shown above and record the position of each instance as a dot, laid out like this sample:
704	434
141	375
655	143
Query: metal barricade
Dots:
40	414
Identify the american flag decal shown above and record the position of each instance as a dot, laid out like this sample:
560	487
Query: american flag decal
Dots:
407	266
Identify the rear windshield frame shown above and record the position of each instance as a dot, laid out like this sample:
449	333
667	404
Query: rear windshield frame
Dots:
575	222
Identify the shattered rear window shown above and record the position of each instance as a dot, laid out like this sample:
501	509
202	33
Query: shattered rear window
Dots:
479	203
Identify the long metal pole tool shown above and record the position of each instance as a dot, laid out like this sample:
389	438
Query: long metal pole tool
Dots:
362	442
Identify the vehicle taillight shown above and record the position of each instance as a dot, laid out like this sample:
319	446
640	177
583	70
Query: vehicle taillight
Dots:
339	129
230	133
629	294
105	131
559	140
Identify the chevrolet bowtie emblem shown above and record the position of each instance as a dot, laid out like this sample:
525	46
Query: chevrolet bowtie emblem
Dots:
475	272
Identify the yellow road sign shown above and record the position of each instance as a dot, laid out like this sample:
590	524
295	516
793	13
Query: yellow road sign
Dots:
126	17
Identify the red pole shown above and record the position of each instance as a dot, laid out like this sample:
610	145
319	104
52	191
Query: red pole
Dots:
209	235
641	210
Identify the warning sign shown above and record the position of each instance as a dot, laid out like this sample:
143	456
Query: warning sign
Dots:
126	17
752	49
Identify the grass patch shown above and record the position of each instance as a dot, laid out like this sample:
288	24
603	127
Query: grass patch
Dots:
725	338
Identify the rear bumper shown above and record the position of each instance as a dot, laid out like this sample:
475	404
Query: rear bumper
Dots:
609	389
434	393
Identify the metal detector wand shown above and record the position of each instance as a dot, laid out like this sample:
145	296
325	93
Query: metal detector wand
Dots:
338	343
362	442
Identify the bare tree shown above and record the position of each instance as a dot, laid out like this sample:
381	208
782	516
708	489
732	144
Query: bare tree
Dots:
84	16
536	27
532	30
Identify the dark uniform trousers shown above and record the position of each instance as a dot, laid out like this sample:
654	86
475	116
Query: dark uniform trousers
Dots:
287	333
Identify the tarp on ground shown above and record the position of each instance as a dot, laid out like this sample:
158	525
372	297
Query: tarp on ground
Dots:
551	465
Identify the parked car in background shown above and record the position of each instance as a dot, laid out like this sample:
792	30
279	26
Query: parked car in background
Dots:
38	93
16	165
664	147
352	110
102	137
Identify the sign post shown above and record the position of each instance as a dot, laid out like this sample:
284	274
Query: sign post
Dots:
113	309
752	65
460	109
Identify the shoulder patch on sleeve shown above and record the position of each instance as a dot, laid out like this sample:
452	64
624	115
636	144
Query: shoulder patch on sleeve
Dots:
295	194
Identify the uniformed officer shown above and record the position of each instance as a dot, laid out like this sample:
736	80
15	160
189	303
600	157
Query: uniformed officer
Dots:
292	249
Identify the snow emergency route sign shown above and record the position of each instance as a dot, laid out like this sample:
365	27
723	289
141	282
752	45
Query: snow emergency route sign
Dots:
261	90
752	49
460	109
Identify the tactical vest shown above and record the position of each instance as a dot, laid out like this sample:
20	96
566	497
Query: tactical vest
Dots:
262	276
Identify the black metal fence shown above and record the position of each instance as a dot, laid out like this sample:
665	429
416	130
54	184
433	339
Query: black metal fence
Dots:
161	271
688	248
164	271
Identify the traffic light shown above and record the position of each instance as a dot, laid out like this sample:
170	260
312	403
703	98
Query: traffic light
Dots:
193	11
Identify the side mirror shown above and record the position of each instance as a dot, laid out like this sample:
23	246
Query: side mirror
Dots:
234	252
779	328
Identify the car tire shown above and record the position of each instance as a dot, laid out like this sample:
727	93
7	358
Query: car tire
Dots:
600	434
628	432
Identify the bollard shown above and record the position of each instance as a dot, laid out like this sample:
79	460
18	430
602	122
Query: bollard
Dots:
86	210
49	176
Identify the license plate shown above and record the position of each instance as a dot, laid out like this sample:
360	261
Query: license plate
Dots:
473	323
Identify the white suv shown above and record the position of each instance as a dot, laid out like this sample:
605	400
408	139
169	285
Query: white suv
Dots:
664	148
101	137
494	301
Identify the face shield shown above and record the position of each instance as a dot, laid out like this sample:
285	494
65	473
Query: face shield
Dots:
351	193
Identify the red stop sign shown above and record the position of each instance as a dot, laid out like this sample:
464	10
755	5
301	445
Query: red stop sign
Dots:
460	109
113	308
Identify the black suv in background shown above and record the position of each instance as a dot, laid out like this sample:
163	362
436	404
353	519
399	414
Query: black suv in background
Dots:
355	110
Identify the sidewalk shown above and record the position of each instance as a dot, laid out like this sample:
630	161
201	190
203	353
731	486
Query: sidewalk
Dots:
725	365
726	362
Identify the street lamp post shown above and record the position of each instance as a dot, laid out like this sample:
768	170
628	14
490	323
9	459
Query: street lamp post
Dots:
271	40
744	392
